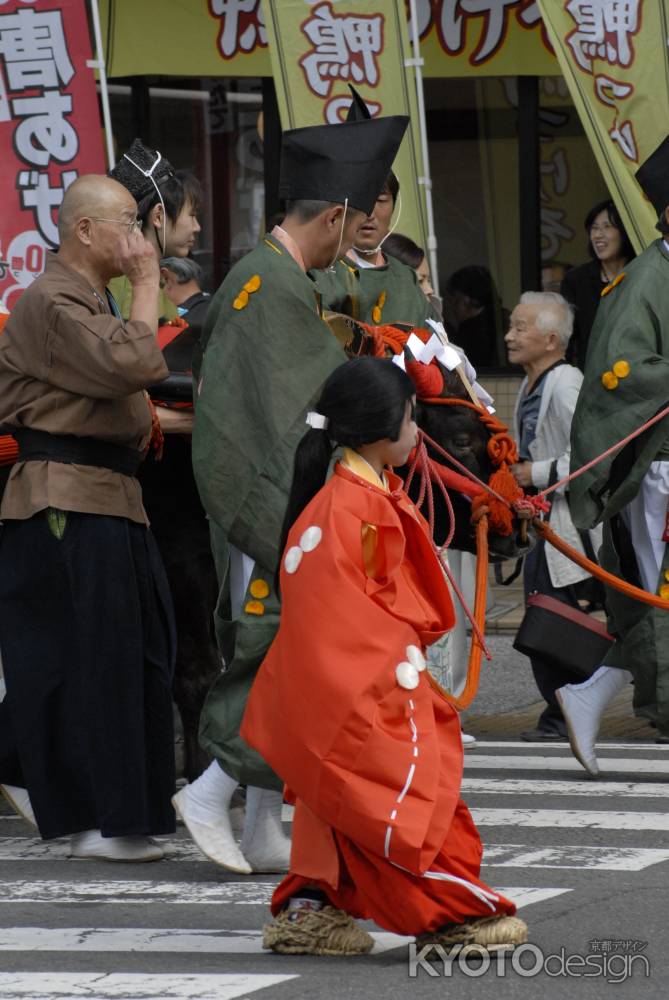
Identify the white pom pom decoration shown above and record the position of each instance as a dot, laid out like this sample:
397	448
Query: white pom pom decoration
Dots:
407	675
415	657
292	559
311	538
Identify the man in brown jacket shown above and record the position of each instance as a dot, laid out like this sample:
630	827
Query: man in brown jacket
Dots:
86	629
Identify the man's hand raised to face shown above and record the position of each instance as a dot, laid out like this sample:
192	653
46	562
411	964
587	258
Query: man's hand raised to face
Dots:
139	261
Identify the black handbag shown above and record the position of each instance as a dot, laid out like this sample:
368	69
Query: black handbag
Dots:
559	634
562	636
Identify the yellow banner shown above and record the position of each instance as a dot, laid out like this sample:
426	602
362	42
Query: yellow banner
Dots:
614	58
318	49
229	37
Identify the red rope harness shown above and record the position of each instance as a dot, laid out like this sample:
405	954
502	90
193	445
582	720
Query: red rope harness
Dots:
521	505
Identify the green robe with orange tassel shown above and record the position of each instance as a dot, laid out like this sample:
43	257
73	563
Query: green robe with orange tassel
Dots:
626	382
376	295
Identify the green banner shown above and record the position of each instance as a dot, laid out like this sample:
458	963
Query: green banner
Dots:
614	58
318	49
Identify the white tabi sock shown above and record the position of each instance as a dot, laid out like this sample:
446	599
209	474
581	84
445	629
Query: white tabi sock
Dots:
264	844
209	796
583	706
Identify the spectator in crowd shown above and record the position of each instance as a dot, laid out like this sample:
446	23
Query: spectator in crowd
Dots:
610	250
481	320
182	284
86	733
541	325
552	275
409	253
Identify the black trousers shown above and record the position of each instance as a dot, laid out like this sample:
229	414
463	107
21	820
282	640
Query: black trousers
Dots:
87	639
548	679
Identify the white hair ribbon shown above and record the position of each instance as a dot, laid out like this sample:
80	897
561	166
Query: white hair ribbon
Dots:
317	420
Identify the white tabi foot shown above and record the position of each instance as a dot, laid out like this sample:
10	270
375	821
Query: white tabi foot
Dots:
204	807
19	800
92	845
264	843
583	706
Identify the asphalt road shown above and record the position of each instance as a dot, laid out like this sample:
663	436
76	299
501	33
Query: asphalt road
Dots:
586	861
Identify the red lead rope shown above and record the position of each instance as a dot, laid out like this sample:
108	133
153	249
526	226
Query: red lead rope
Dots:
421	463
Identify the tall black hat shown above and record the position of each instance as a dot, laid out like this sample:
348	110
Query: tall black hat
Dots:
358	111
137	166
349	160
653	177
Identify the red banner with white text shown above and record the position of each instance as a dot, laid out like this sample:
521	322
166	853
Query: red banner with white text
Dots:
49	128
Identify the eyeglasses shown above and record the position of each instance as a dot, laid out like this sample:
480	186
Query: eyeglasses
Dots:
134	226
607	227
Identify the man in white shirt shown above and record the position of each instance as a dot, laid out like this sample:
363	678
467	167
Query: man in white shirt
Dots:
541	325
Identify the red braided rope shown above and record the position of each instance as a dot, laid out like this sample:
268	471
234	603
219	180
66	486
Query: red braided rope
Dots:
421	463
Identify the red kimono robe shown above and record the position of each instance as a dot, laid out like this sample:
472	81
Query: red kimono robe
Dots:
344	711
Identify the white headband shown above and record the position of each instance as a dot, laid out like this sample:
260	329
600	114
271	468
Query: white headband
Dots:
317	421
149	174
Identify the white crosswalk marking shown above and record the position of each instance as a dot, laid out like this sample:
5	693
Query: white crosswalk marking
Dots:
516	794
577	818
551	793
561	746
630	859
132	986
125	893
628	765
587	789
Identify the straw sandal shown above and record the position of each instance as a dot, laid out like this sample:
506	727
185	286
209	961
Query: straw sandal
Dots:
491	933
316	932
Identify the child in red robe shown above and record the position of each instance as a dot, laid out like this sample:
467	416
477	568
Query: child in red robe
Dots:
343	708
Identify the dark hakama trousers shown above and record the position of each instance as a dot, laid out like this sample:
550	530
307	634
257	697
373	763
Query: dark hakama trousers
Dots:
87	640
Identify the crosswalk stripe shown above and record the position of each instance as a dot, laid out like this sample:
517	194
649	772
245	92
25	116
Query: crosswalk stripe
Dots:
186	940
475	761
155	940
577	818
126	893
34	849
630	859
122	985
586	789
644	747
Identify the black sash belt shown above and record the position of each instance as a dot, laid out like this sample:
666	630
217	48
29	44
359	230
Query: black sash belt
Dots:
39	446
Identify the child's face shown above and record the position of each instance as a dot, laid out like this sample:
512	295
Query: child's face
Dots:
398	451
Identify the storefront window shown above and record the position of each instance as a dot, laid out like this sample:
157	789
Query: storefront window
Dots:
474	158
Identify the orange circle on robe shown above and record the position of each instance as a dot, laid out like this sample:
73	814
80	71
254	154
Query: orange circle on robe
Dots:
254	608
621	369
609	380
253	284
259	589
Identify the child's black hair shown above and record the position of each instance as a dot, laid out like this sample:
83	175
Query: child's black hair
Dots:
364	400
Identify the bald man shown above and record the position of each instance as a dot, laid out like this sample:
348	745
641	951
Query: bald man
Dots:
86	630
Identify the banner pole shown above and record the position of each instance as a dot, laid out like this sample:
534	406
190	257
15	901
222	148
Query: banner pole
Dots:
99	64
426	180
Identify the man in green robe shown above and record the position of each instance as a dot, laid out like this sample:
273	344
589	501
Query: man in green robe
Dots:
365	283
626	382
267	353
